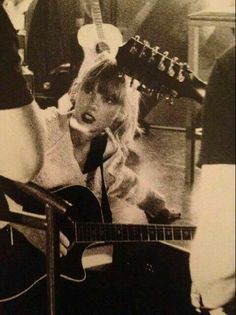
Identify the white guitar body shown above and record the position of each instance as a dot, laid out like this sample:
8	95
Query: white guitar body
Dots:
89	40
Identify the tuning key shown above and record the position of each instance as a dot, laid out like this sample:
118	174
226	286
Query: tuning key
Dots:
137	38
155	51
173	94
146	45
171	70
134	49
142	88
186	66
161	65
181	76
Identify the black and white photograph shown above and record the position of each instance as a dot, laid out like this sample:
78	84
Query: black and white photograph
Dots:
117	162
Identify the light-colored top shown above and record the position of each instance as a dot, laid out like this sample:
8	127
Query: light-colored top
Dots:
60	168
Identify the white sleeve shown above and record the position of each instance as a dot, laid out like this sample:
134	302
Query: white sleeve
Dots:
21	141
212	259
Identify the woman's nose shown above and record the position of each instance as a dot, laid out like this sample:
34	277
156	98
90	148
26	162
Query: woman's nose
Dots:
95	104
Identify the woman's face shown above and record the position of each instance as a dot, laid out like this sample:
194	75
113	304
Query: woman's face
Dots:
95	111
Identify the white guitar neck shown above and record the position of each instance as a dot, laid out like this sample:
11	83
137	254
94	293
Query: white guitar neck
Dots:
97	19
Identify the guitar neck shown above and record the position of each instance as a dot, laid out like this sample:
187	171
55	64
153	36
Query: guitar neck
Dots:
157	71
108	232
97	18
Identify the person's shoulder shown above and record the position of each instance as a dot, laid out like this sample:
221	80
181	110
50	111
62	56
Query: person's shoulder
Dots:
227	58
6	28
229	53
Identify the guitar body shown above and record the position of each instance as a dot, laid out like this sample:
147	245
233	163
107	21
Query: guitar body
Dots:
23	266
92	45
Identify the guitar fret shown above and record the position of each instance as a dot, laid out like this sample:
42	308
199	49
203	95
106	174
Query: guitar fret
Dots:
153	233
97	20
148	236
88	234
160	233
187	235
182	237
76	232
81	234
168	235
107	234
145	233
131	233
117	232
177	233
164	233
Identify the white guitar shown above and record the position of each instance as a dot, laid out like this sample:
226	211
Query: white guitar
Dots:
98	37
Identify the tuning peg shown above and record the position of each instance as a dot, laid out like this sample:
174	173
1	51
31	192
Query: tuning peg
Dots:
137	38
186	67
167	94
155	51
46	85
173	94
146	46
146	43
171	70
142	88
133	50
180	76
161	65
170	99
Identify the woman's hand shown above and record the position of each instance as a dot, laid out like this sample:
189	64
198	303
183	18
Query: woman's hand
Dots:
156	211
162	216
64	244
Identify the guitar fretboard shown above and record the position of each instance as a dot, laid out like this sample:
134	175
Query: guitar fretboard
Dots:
97	19
95	232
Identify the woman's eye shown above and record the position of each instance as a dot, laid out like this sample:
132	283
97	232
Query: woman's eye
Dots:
87	90
110	100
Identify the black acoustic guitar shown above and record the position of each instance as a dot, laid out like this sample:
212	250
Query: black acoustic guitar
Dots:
23	266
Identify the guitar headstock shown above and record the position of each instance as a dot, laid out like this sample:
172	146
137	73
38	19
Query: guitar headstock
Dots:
158	72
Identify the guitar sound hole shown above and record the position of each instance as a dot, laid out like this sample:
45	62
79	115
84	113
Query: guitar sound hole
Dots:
100	47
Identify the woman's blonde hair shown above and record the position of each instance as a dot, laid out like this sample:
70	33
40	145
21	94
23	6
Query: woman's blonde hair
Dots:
107	79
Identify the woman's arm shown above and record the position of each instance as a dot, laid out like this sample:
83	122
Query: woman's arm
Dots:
21	135
127	185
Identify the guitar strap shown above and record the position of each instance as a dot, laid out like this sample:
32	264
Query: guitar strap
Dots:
107	216
95	159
